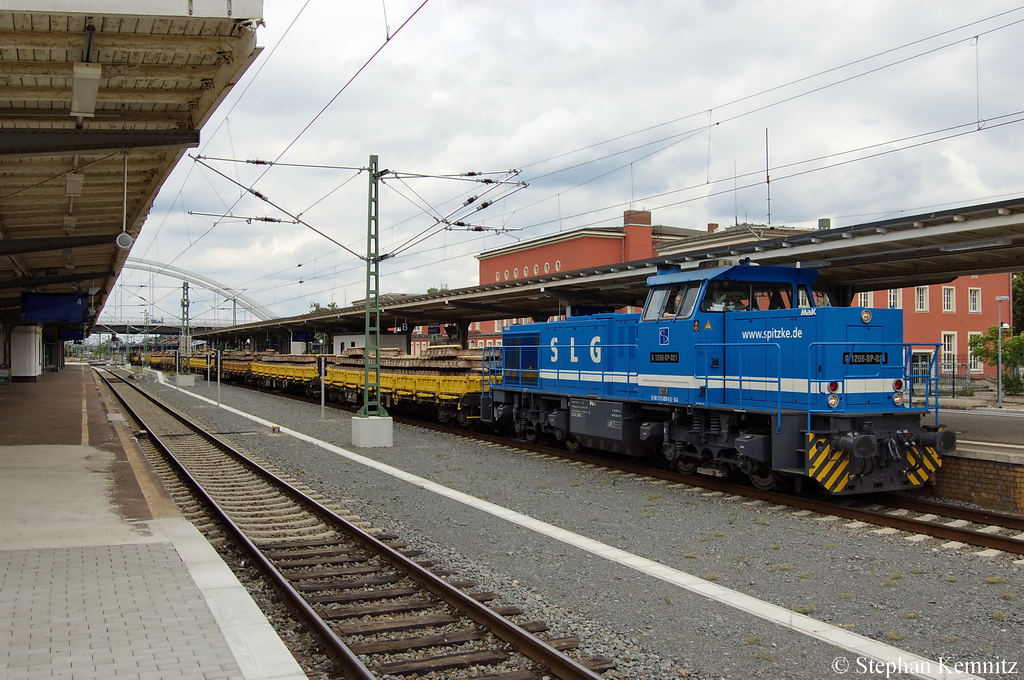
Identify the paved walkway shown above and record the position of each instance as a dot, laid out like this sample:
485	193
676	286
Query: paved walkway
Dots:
100	576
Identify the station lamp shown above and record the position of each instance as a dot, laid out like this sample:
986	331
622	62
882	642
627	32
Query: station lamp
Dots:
1000	299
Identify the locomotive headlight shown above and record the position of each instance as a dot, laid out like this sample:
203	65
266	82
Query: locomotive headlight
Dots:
897	399
865	315
833	400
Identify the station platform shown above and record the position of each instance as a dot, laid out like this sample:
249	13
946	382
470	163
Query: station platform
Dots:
100	575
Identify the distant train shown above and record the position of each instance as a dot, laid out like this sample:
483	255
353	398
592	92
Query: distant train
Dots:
735	368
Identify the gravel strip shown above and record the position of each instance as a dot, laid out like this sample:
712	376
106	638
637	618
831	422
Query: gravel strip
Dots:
919	597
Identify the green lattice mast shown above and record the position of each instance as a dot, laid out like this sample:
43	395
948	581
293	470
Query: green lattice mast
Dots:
371	351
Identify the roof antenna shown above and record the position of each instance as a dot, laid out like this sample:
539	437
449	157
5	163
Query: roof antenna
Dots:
735	197
767	177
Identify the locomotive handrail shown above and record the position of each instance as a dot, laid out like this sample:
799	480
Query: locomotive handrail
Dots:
930	379
506	364
758	379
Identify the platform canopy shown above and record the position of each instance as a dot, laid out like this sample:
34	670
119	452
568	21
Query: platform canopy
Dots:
911	250
98	102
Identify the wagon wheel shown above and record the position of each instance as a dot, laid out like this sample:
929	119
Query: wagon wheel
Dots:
686	466
530	436
763	479
572	444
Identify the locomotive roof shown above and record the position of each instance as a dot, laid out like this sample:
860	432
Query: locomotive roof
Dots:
740	272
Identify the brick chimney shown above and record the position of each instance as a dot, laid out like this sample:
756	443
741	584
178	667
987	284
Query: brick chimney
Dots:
639	240
712	226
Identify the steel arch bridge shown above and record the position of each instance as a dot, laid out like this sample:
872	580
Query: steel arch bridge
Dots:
154	267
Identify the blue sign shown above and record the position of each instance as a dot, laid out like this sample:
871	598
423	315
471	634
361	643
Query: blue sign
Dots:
663	335
303	336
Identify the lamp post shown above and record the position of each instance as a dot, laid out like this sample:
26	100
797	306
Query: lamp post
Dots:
1000	299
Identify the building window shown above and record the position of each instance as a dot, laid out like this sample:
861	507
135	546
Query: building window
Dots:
506	275
547	267
490	343
526	270
536	270
921	299
865	299
973	363
949	299
948	352
895	298
497	276
558	265
974	300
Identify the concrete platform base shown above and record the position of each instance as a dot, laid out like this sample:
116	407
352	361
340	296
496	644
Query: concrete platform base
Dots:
372	431
185	380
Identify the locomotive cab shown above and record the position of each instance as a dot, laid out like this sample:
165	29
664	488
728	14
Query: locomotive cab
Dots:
774	382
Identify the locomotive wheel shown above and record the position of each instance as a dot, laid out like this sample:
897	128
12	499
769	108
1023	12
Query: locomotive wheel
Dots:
686	466
572	445
530	436
765	480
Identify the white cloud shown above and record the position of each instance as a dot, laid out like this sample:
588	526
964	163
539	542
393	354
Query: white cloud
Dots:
490	86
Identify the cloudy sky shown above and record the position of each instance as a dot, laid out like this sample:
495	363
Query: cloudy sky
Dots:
871	109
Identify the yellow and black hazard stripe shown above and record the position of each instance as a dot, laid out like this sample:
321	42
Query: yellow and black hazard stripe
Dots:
827	466
923	463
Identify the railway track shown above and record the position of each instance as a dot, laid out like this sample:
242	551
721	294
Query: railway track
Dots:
983	528
953	524
377	612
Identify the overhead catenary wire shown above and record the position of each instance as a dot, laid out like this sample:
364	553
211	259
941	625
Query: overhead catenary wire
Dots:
683	189
314	119
791	83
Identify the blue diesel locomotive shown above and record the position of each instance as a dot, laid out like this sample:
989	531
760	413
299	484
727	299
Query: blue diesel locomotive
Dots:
738	367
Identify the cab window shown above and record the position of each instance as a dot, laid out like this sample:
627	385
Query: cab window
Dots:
743	296
676	302
822	299
803	297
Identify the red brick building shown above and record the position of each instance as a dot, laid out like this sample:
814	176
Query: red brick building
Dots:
949	314
636	239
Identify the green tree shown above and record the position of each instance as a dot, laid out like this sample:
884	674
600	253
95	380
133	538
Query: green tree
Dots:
1017	314
986	348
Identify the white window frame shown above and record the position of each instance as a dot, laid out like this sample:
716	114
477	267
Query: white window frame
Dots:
974	301
948	300
866	299
921	299
948	352
895	298
974	364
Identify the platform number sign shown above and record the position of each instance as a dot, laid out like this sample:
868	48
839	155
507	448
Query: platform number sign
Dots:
663	335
